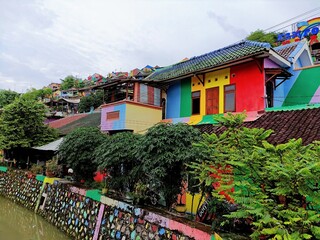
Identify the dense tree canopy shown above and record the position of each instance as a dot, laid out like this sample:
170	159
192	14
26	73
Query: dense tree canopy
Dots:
37	94
261	36
117	156
22	125
76	151
7	97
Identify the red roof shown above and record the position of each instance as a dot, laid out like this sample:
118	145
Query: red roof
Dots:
64	121
285	124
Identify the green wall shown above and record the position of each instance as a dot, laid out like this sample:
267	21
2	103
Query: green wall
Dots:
304	87
185	101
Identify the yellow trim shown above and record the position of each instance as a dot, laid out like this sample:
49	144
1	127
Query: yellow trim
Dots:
219	79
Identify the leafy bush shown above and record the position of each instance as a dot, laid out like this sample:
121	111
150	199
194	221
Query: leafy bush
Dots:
273	184
163	151
76	151
117	155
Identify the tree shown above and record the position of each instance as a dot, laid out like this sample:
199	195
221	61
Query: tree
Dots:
37	94
7	97
261	36
76	151
275	187
93	100
70	82
117	155
163	151
22	125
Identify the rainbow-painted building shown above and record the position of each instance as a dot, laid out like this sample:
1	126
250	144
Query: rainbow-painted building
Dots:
239	77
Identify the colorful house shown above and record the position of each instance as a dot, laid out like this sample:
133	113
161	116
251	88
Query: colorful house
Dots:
130	105
232	79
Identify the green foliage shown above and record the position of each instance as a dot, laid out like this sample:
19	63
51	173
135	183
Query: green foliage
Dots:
117	155
22	125
272	183
76	151
37	94
93	100
70	82
260	36
163	151
7	97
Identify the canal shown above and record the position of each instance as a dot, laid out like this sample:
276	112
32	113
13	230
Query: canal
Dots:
19	223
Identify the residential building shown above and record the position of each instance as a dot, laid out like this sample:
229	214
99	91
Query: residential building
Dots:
236	78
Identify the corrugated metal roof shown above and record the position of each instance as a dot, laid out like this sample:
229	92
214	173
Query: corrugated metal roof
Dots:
53	146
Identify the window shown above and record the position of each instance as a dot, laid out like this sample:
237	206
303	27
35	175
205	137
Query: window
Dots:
113	115
196	102
230	98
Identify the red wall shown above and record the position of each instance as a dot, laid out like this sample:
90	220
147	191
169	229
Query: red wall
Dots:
249	86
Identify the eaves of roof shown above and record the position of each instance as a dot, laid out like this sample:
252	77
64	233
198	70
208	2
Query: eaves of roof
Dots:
221	58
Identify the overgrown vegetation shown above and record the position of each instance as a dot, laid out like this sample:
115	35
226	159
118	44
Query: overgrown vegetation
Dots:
269	191
164	150
7	97
22	125
273	185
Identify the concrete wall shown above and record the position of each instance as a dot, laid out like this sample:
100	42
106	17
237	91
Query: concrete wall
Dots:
85	214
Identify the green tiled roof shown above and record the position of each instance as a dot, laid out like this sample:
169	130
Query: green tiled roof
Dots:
210	60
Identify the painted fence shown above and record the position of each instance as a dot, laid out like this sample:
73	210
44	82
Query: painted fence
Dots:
85	214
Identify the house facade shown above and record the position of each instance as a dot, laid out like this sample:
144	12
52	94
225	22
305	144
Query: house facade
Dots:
130	105
232	79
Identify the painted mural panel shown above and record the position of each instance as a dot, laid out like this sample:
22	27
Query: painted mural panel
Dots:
305	87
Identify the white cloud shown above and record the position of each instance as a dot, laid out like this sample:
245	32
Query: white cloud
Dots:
43	41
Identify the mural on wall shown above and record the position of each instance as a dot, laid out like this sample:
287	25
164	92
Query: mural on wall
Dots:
307	29
20	188
86	214
72	212
117	224
302	88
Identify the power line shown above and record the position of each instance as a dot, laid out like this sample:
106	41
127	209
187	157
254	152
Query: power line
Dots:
303	19
300	15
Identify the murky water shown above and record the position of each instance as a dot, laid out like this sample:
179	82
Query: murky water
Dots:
19	223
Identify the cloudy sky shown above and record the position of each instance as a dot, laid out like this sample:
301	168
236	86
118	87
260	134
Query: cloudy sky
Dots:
43	41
